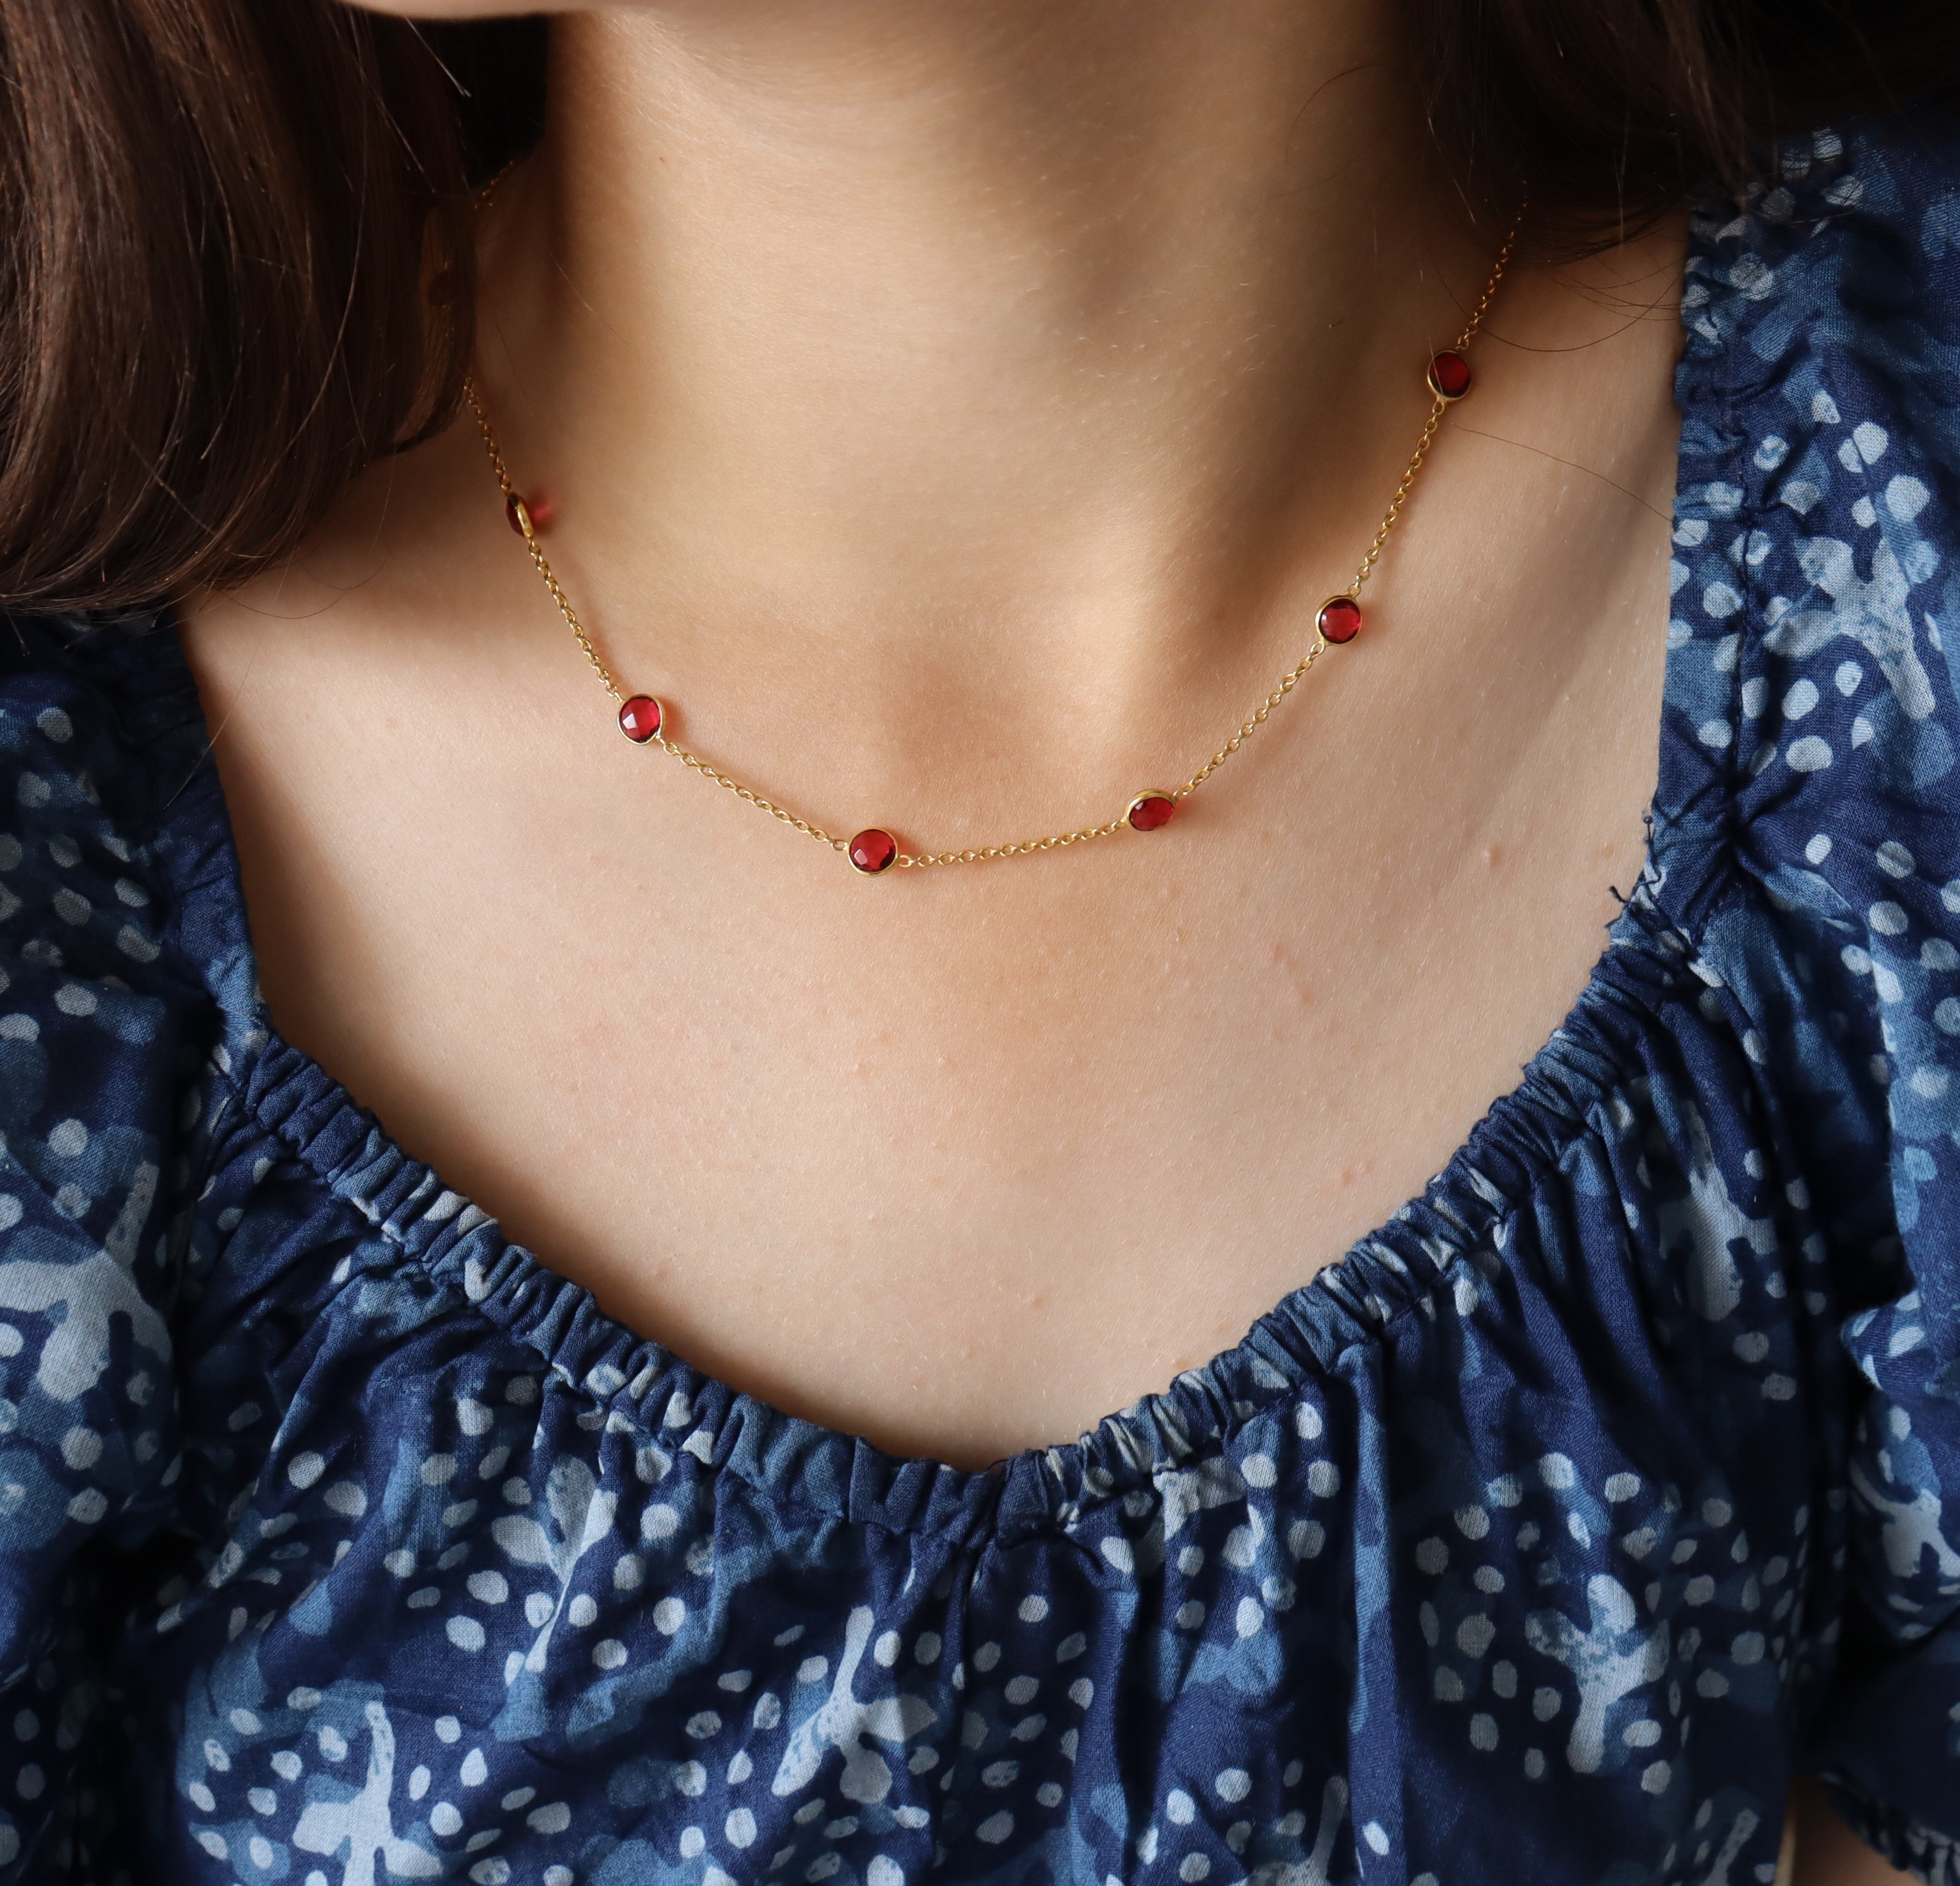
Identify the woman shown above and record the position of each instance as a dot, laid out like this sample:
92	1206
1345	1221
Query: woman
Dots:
944	424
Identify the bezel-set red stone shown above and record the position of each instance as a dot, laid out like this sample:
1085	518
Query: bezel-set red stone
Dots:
642	717
872	851
1151	810
1340	618
1449	375
537	508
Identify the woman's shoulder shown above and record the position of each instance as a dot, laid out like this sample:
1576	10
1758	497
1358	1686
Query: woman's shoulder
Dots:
1812	695
1848	244
114	859
1820	380
1808	829
1822	358
103	1017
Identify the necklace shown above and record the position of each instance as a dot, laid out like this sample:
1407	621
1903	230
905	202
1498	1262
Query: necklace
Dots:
647	720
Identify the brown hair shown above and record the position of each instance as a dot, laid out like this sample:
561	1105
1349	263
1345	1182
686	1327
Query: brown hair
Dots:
224	215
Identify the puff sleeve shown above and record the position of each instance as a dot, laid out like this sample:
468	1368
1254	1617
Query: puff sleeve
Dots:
1818	631
94	1048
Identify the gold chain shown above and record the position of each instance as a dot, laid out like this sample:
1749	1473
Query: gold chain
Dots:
1439	400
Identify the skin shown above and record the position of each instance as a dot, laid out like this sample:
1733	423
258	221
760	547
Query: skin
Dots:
957	414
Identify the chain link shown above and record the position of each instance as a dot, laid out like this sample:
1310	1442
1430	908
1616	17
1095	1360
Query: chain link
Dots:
1022	847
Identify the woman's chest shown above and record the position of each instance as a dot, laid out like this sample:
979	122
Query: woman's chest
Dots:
962	1159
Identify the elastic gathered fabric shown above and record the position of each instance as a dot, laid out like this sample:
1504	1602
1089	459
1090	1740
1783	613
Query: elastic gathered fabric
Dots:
1544	1536
428	1230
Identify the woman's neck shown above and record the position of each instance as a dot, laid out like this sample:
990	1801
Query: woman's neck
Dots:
1031	350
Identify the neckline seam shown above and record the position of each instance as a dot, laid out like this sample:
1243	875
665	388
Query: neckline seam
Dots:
301	1148
1062	1468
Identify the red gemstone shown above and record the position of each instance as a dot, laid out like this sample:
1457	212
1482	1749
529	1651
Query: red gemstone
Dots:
1450	375
442	287
1150	810
1340	618
542	511
872	851
640	718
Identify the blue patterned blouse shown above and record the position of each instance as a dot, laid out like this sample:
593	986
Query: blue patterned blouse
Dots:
1541	1539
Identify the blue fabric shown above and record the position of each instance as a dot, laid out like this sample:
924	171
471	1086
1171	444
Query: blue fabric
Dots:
1541	1539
